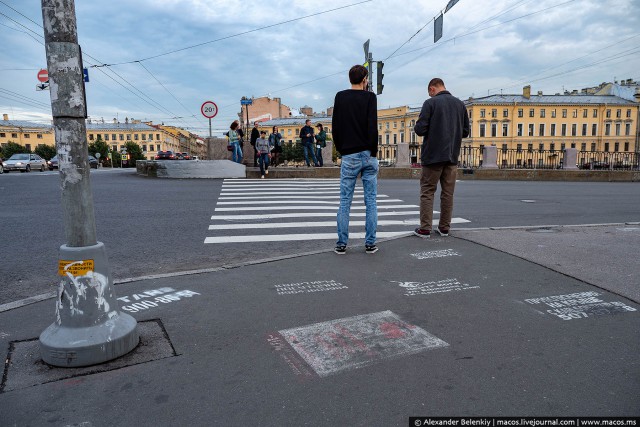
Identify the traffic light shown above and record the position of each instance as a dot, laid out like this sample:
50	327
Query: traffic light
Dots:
380	86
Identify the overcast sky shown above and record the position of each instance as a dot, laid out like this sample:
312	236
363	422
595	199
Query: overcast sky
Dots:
488	46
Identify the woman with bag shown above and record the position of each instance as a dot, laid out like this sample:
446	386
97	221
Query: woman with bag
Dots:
321	142
275	141
234	142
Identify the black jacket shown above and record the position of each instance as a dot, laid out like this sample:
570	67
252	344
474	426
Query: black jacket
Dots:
443	122
303	134
255	134
354	124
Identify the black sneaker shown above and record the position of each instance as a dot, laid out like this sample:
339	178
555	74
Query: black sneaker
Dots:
340	249
370	249
425	234
442	232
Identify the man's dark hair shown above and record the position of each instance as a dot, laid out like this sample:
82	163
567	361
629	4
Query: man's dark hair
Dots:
234	125
357	73
436	82
263	132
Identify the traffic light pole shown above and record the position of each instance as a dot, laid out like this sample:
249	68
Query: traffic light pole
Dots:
88	328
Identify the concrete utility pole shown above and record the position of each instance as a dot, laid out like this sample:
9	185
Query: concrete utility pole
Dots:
88	328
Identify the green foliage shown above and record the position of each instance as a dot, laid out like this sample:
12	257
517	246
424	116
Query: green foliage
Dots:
99	146
11	148
292	152
45	151
135	153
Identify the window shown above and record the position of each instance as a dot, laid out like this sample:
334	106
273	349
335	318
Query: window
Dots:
608	114
531	129
395	138
402	137
593	146
27	147
114	148
504	148
39	136
121	137
387	138
150	137
628	114
595	113
144	147
482	130
482	113
505	113
616	147
505	129
583	146
520	112
553	113
552	147
574	129
575	113
562	146
543	113
157	137
607	129
135	136
594	129
519	129
113	136
626	146
494	130
531	112
144	137
379	139
541	130
494	112
14	135
553	129
541	147
564	129
128	137
106	136
519	148
585	113
26	135
617	129
401	125
606	147
530	148
584	129
90	137
564	113
618	113
387	125
627	129
395	125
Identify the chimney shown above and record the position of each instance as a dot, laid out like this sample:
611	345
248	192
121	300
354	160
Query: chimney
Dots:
526	91
637	94
574	92
5	117
539	93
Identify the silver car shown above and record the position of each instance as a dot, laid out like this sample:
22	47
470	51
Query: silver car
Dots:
24	163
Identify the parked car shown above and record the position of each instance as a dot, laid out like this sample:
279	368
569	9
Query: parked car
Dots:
196	158
596	165
53	162
1	167
183	156
166	155
24	162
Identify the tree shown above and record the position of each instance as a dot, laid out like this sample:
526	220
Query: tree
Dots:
12	148
45	151
99	146
135	153
292	152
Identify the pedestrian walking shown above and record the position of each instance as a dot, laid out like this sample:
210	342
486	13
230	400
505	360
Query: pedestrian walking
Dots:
355	135
275	140
443	122
255	134
264	154
306	138
321	142
234	142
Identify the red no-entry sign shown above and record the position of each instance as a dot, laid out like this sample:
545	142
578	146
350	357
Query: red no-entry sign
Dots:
43	76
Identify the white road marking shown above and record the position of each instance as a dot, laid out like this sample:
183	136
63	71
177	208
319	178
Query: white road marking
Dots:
280	193
305	215
381	223
319	202
313	196
291	237
304	207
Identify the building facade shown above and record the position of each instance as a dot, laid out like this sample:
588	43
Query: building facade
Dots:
25	133
290	127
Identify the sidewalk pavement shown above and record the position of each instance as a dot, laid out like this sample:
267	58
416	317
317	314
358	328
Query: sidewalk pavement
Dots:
438	327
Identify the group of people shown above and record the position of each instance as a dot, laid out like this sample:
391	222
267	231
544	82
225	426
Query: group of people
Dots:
267	151
442	123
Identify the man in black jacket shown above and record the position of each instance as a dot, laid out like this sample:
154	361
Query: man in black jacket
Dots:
443	122
306	138
255	134
355	134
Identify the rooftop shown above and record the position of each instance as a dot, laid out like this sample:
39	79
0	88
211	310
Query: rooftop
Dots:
551	99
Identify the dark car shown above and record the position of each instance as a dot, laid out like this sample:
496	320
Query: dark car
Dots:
595	165
53	162
1	168
183	156
166	155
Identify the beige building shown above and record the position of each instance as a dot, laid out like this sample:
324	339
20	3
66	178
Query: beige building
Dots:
290	127
261	110
25	133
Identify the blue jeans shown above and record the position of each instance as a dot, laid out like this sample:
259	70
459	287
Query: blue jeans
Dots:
353	165
236	153
308	147
263	160
319	156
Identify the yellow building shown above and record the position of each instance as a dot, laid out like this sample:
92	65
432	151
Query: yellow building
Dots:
395	126
27	134
550	123
290	128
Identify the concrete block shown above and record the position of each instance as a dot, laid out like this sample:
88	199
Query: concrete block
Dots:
191	169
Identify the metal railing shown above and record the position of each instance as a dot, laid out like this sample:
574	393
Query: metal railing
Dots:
600	160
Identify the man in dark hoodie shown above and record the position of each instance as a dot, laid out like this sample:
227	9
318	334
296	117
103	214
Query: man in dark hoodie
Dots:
355	135
443	122
306	138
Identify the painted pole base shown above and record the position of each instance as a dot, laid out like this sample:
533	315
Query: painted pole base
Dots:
89	329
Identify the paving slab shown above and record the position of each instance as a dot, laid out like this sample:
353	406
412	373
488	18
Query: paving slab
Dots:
432	327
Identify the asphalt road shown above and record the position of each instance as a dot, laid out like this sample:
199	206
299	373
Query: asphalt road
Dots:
152	226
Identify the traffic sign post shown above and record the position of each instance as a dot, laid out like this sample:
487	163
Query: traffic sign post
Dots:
209	109
43	75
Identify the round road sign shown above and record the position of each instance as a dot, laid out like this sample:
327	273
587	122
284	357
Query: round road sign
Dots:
43	76
209	109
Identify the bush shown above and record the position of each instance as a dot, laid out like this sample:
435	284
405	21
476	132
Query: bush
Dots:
11	148
45	151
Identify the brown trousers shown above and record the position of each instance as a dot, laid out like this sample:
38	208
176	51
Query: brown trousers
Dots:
445	174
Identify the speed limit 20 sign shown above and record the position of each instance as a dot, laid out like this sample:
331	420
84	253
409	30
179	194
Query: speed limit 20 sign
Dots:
209	109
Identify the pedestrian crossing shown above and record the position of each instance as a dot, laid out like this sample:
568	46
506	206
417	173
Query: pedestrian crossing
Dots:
258	210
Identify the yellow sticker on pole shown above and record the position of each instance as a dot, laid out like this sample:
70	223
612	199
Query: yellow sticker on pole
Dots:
75	268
